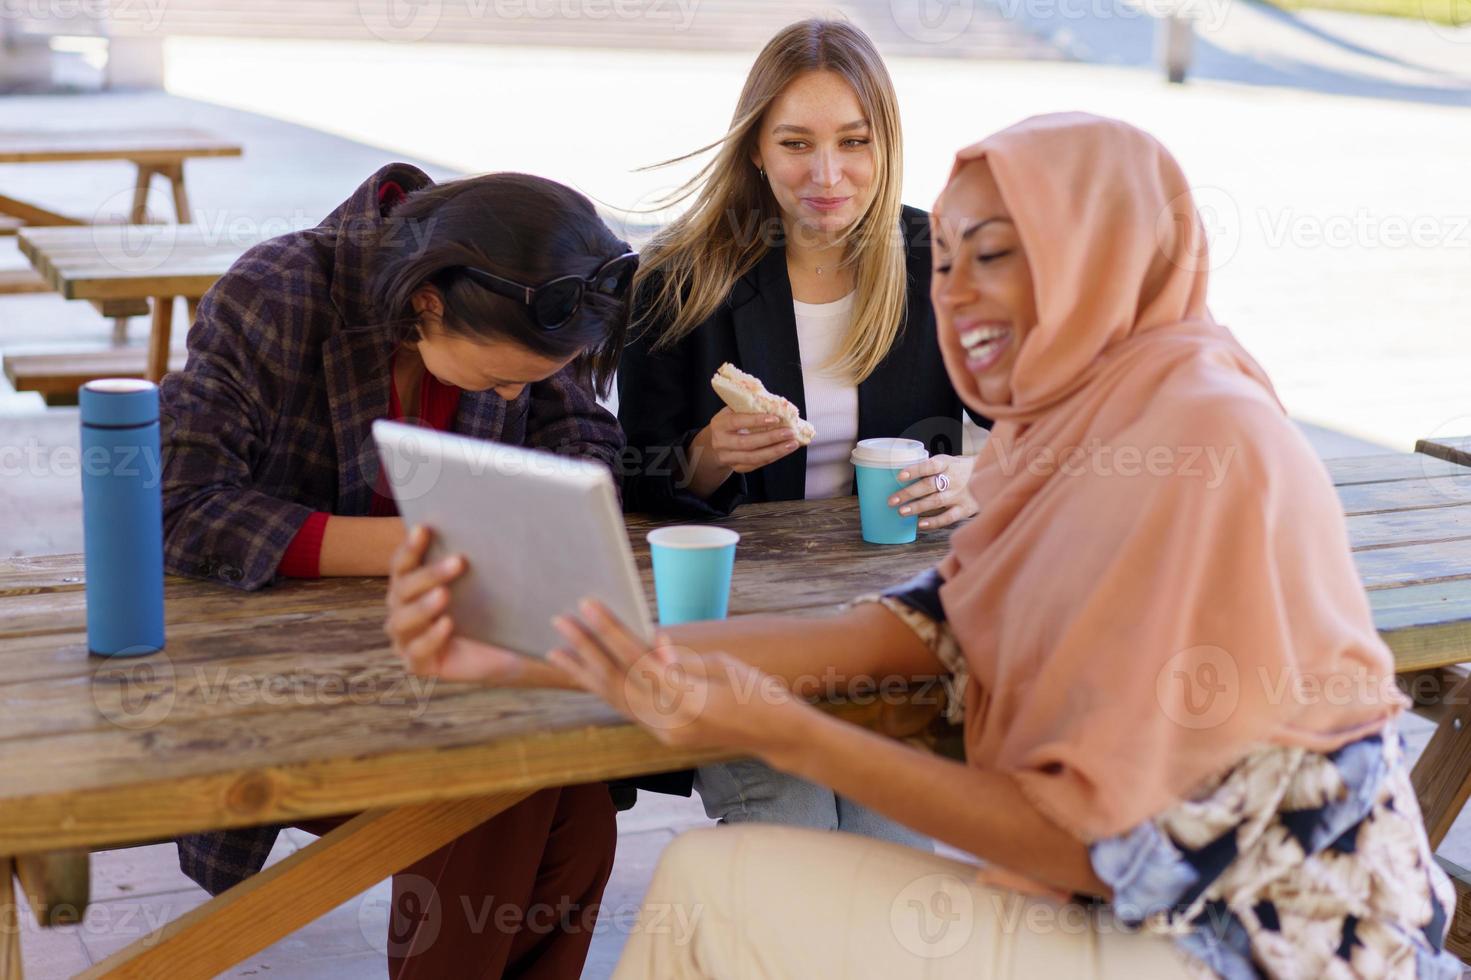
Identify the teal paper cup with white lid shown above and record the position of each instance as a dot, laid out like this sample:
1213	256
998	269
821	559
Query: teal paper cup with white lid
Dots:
877	464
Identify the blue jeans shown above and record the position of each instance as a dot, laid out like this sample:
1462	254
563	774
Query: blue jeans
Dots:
748	791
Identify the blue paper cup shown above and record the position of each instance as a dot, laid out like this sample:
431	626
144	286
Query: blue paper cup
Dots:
877	463
692	568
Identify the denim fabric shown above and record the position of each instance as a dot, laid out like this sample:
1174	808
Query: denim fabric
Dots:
748	791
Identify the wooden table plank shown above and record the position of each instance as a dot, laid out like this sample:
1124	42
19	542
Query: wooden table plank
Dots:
1399	528
119	262
1414	564
1409	606
1456	450
32	574
1368	498
1388	467
140	145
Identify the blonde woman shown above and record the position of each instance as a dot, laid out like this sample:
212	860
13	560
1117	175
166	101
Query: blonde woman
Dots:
796	262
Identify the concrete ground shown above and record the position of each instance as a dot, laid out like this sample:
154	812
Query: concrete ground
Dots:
1341	235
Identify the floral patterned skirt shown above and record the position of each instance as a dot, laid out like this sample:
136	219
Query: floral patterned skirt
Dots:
1293	864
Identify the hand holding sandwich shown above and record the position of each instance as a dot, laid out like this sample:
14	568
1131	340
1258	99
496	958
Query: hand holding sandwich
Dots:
755	429
737	442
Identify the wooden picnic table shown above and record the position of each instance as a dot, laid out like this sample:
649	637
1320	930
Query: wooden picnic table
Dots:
160	151
287	704
153	151
108	263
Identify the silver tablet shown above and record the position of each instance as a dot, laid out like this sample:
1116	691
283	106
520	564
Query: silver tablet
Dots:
540	531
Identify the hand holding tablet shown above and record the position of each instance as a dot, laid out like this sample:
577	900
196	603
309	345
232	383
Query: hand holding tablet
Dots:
539	531
425	635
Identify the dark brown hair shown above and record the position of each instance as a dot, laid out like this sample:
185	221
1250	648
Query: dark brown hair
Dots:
528	229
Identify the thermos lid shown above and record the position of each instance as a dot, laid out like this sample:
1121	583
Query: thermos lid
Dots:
119	401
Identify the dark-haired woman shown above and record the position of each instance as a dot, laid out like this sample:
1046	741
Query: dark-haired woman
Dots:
492	307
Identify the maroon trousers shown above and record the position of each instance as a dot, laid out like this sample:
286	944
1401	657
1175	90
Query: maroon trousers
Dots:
515	897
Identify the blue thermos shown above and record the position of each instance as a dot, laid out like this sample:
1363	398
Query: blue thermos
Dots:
122	516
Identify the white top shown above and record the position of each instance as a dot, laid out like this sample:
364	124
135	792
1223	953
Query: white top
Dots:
832	402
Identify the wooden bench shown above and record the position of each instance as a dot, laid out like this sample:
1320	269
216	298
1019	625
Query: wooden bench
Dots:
56	377
14	281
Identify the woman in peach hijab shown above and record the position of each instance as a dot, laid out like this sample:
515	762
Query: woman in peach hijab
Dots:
1181	756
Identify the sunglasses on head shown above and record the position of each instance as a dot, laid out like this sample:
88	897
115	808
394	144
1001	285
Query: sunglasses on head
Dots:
556	301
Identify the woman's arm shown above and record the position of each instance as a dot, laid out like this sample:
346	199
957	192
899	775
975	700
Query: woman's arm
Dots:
359	545
662	425
216	415
982	812
734	443
715	701
854	649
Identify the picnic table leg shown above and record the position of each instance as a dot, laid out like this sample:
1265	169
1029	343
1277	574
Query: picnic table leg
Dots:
1442	775
57	885
1442	781
175	174
287	895
9	923
137	215
158	338
1458	935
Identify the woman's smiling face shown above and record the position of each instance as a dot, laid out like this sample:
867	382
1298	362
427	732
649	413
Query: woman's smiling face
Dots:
816	146
982	284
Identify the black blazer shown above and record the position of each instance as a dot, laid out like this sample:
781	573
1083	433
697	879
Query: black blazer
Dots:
665	398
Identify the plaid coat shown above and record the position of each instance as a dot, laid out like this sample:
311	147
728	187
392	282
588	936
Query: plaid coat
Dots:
271	420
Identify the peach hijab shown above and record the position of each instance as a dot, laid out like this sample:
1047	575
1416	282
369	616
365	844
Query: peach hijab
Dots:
1159	577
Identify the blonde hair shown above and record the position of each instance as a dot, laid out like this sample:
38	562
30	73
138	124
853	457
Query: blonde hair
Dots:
695	261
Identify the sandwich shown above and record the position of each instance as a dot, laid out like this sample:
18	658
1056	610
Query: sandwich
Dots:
745	393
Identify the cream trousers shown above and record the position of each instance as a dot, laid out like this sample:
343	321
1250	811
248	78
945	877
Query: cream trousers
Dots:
758	901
